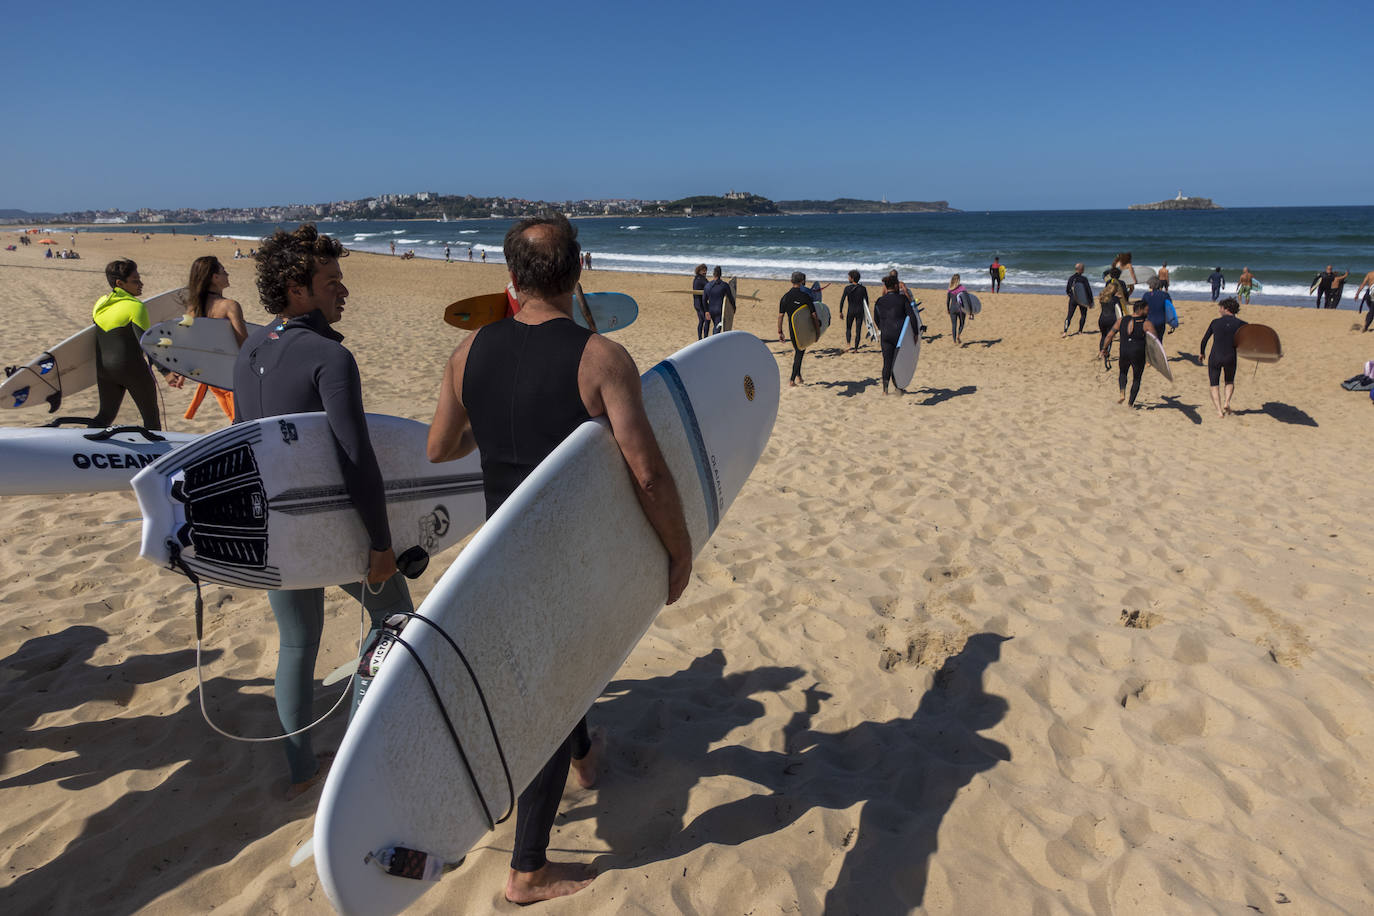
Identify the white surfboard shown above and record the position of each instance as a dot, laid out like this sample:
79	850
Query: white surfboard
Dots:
545	602
908	349
56	461
1156	356
202	349
974	306
727	308
69	367
868	322
263	504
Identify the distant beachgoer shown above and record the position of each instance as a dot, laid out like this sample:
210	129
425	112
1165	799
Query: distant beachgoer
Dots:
1164	276
1218	283
796	297
1321	283
716	292
1113	301
1154	301
1133	329
1080	282
393	246
855	295
469	252
995	271
1244	285
1333	295
699	301
47	252
1223	358
955	305
589	260
205	299
1365	297
119	362
1128	277
889	314
484	256
448	253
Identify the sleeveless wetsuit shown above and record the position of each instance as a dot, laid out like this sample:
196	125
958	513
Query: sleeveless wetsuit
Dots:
120	366
520	392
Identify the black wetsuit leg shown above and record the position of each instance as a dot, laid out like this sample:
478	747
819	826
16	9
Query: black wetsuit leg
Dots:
796	365
889	357
120	367
1082	317
1333	297
1369	316
713	324
855	320
1132	358
1104	327
956	323
703	321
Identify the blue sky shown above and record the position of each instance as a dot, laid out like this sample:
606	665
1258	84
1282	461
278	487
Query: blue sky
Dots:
999	105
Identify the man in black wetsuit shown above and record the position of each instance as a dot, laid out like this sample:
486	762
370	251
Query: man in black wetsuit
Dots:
1218	281
1222	332
515	419
1322	284
855	295
716	292
889	314
298	364
795	298
1085	289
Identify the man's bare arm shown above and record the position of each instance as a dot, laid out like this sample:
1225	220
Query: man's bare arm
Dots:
450	434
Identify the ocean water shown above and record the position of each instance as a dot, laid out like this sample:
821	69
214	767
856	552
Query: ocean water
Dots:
1284	246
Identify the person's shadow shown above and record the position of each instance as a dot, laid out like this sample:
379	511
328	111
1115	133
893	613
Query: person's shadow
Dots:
985	344
906	772
940	395
850	388
1284	413
176	785
1172	402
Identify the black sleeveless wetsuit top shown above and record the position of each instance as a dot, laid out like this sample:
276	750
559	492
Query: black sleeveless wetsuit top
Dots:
520	391
1132	341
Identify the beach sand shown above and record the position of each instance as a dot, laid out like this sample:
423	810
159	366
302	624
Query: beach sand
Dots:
996	646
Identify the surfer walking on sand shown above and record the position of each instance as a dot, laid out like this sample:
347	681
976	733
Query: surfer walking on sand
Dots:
889	314
1113	302
298	364
798	297
1133	330
995	271
1362	294
1222	331
515	419
1080	293
855	295
699	301
954	304
717	291
119	362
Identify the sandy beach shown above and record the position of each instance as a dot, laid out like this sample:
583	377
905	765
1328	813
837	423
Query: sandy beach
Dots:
1000	645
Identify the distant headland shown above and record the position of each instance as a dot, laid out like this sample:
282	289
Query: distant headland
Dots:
1179	203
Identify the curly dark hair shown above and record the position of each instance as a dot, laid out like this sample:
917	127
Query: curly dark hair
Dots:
543	255
291	259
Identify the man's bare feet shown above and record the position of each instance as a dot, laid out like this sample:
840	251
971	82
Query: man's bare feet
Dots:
589	768
1122	399
555	879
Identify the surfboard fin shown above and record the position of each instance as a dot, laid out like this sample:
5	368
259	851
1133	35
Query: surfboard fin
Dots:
305	853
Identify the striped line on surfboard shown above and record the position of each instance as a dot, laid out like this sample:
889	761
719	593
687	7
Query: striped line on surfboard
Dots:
668	372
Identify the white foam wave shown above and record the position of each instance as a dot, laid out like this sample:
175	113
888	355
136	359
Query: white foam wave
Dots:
467	231
630	228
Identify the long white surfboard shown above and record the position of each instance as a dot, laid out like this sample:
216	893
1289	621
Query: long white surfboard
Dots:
546	602
58	461
69	367
202	349
263	504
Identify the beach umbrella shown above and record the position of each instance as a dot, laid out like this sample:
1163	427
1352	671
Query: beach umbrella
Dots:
46	242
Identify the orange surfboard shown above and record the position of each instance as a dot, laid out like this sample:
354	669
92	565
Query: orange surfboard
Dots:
477	311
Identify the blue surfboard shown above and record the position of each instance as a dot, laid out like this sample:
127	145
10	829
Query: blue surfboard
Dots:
605	312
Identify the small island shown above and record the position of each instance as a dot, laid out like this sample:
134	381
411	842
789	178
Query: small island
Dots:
1178	203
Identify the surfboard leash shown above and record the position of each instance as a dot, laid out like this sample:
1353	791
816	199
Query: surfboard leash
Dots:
176	562
492	821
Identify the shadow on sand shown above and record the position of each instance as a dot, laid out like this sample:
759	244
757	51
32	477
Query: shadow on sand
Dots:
1171	402
905	772
1284	413
940	395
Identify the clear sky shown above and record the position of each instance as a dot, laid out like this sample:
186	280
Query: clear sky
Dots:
1001	105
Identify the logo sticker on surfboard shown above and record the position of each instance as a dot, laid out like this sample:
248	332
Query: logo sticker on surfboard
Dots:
749	388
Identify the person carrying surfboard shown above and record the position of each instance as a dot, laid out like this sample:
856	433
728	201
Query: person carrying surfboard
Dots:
798	297
298	364
514	390
119	362
996	271
1223	359
1133	329
957	307
1080	293
889	314
716	292
205	299
1244	285
1113	300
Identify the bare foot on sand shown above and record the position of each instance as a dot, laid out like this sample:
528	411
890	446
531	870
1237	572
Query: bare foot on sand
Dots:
297	789
555	879
588	768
